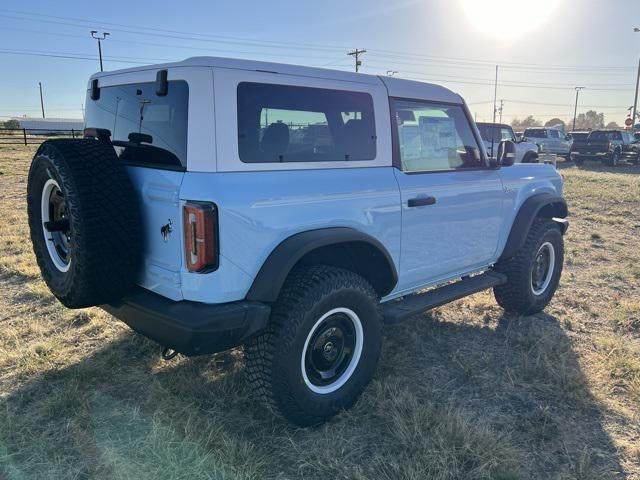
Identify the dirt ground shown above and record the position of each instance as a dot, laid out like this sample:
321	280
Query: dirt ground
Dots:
463	392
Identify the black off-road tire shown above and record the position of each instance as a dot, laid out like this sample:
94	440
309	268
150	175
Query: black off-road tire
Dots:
105	237
273	359
614	159
517	294
530	157
578	161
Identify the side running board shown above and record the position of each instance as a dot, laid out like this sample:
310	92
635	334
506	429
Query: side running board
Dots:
395	311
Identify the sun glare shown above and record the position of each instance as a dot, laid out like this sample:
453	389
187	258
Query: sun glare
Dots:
508	18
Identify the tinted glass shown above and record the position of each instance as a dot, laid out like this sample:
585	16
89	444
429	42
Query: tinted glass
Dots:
145	128
434	137
535	133
499	133
554	134
579	135
282	123
599	136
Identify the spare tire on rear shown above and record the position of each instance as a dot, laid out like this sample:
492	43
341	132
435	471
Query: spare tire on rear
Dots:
84	218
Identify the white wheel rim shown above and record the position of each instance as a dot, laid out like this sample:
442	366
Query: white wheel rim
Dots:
355	358
49	186
539	287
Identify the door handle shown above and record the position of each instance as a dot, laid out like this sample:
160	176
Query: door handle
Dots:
421	201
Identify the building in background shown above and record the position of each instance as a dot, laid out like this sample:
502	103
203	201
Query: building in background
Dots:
50	125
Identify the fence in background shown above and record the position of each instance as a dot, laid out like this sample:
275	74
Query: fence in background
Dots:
34	136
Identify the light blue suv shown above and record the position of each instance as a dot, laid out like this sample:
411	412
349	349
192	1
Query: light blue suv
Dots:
292	210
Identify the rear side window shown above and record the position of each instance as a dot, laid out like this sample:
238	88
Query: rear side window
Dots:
283	123
146	129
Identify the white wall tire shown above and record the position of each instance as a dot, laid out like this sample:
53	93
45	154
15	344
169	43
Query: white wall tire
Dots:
542	272
353	359
57	246
276	360
527	292
84	222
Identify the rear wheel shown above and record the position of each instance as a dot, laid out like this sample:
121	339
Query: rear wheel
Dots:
533	274
321	347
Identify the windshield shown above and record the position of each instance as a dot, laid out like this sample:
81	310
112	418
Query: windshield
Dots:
579	135
490	132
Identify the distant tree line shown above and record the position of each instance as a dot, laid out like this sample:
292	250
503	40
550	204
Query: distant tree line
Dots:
10	124
590	120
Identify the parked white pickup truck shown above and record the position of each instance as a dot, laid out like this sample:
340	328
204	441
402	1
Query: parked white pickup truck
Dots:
493	133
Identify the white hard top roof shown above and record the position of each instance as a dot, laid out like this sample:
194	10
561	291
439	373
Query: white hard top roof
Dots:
396	87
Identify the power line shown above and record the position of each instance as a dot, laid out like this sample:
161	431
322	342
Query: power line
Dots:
423	76
138	30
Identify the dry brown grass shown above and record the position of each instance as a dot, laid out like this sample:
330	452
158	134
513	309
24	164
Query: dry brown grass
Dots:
462	392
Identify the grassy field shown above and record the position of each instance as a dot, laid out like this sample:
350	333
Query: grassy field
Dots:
461	392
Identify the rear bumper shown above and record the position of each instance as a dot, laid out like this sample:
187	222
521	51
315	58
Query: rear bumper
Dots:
594	155
191	328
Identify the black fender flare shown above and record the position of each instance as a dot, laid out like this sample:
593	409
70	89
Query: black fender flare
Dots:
555	207
274	271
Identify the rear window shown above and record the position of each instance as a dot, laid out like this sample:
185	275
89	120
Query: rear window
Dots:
146	129
283	123
579	136
599	136
535	133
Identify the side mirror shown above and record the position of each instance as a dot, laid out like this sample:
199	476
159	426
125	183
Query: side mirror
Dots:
506	153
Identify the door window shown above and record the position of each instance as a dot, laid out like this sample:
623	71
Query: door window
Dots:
434	137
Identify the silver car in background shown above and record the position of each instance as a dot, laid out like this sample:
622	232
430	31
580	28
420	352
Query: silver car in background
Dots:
550	140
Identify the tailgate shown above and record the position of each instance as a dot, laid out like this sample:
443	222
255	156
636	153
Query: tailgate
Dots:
158	192
593	147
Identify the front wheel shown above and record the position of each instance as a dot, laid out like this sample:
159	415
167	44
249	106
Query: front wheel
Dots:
321	347
533	274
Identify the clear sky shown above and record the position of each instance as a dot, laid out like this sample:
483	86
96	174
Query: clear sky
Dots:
544	47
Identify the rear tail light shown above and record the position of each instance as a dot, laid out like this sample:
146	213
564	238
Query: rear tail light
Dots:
201	236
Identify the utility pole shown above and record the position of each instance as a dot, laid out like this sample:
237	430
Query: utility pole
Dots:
493	127
103	36
41	99
635	99
356	54
500	109
575	110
